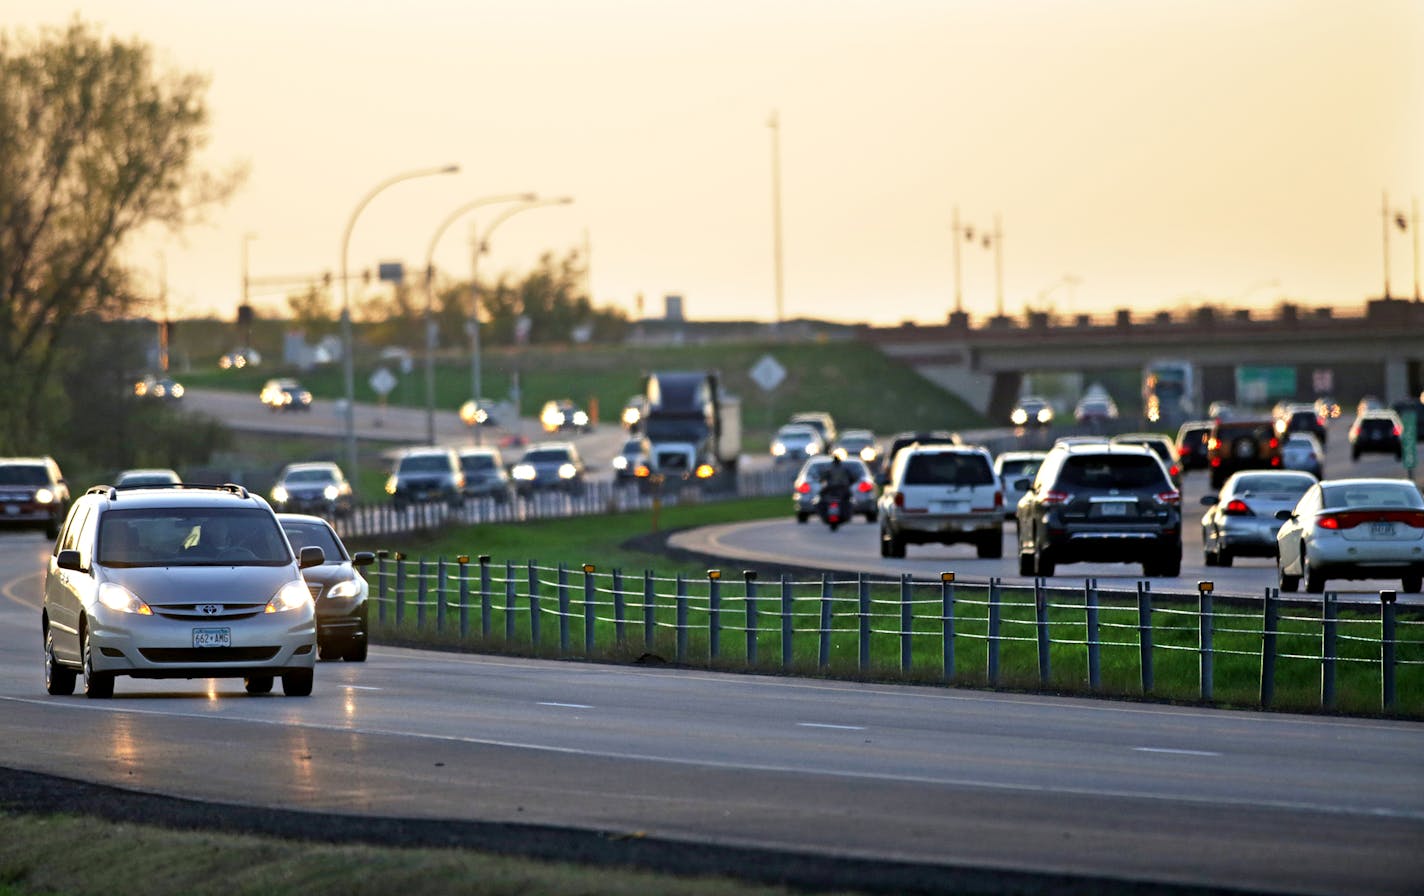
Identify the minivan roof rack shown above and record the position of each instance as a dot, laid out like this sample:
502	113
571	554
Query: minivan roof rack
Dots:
113	491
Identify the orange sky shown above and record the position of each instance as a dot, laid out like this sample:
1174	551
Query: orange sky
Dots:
1151	152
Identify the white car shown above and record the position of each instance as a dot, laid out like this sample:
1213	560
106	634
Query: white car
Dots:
1353	529
942	494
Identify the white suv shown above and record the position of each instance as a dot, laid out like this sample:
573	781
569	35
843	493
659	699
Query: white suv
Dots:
943	494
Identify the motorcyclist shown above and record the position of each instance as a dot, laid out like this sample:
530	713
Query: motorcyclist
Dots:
836	481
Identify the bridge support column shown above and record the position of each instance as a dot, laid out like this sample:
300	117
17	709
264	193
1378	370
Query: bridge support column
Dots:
1396	379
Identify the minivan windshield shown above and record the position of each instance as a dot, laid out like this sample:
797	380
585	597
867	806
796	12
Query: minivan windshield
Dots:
191	536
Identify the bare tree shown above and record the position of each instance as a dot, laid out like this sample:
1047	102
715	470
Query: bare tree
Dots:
95	143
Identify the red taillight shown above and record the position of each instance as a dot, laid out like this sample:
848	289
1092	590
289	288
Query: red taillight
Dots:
1349	519
899	499
1237	507
1274	443
1173	497
804	488
1329	522
1321	421
1398	431
1216	461
1175	471
1054	498
1211	443
1183	451
998	500
1276	461
865	485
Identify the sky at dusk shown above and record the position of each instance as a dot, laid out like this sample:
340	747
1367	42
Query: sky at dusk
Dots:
1139	154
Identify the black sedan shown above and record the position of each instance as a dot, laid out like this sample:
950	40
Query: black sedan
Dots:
340	592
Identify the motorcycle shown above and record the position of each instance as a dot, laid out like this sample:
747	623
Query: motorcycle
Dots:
833	509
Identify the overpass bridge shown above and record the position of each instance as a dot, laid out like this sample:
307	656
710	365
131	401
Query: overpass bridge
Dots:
1375	349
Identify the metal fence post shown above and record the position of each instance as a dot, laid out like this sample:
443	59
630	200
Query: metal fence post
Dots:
863	614
620	633
1270	618
464	591
485	602
1095	670
400	589
420	593
1144	633
993	640
681	619
1040	617
907	624
946	622
1206	631
509	594
590	607
823	654
440	601
381	587
749	576
534	613
1387	630
1327	650
563	610
714	612
650	610
787	604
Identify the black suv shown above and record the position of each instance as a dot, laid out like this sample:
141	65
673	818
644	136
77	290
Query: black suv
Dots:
1301	418
427	475
1241	445
1101	503
33	494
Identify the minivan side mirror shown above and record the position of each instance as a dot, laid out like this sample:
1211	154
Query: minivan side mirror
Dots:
1285	515
69	559
363	558
310	556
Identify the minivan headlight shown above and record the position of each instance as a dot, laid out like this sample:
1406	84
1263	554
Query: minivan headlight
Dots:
44	496
122	600
279	494
348	588
567	471
291	596
523	471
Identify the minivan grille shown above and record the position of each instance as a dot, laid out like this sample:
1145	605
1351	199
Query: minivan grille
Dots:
188	655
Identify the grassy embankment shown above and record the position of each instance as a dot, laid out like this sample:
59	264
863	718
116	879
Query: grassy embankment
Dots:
601	541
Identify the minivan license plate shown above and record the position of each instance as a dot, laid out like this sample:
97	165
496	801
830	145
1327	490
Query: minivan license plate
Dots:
212	637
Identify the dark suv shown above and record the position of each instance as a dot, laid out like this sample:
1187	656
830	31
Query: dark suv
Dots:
33	494
1300	418
1243	444
427	475
1101	503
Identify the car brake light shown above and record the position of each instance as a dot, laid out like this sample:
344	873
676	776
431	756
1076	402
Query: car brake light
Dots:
1183	451
899	499
865	485
1238	507
1175	471
1054	498
1328	522
1173	497
1212	443
1216	461
1276	461
1274	443
998	500
1398	431
804	488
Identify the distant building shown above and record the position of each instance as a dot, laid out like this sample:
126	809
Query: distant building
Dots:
672	308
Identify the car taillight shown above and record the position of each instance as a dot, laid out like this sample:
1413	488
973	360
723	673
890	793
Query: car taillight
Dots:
998	500
1212	443
1274	443
1054	498
1173	497
1237	507
899	499
1216	461
1276	461
1321	421
1183	451
804	488
865	486
1398	431
1175	471
1329	522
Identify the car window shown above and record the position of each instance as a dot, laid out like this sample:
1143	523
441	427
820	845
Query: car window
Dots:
304	534
1273	485
1365	494
311	476
547	456
1111	471
925	468
207	536
24	474
1019	469
425	463
476	462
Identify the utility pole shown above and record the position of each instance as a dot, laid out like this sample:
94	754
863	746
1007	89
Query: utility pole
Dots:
775	125
165	328
1384	220
1414	222
958	283
999	263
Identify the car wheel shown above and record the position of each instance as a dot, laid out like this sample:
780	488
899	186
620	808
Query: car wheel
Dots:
802	517
52	529
1314	581
1223	558
59	680
1287	583
991	546
1209	558
297	683
871	516
326	652
1043	565
1025	564
97	685
356	653
1217	480
1413	583
1354	455
891	545
258	684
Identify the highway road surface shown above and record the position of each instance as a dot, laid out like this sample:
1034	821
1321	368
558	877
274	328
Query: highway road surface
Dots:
935	777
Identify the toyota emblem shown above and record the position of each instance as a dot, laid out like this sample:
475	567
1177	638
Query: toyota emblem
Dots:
210	609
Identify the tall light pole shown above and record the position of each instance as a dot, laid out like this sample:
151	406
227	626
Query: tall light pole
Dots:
430	298
348	365
244	311
481	245
775	124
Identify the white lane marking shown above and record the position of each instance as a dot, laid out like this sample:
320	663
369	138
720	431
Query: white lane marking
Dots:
361	687
798	769
566	705
836	727
1175	752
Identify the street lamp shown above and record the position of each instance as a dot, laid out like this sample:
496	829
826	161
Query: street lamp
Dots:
430	298
482	244
346	340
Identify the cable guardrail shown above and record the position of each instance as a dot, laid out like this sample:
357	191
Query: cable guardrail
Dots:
989	633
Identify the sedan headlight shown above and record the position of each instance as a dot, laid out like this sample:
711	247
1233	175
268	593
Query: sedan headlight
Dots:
523	471
44	496
567	471
580	418
620	462
291	596
330	492
122	600
778	449
867	454
1045	415
391	485
1019	417
279	494
177	390
348	588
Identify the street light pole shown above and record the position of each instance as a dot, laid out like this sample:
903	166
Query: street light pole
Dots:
348	364
775	124
430	298
481	245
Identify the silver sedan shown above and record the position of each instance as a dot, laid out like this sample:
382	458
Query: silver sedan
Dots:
1240	520
1353	529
